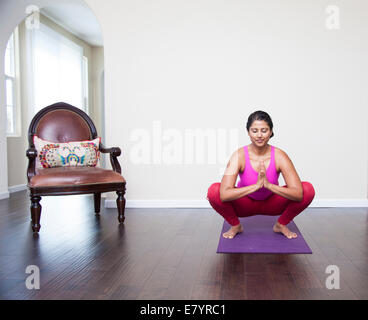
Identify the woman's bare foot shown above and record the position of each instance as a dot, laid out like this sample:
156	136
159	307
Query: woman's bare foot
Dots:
231	233
279	228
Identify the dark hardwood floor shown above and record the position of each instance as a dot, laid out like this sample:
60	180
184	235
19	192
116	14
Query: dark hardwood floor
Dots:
171	254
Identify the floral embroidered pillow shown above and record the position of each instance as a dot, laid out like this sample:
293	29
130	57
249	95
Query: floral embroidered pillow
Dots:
70	154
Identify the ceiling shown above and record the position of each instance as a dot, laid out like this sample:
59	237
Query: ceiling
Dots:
78	19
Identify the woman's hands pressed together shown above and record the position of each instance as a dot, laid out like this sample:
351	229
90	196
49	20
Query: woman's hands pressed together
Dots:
262	178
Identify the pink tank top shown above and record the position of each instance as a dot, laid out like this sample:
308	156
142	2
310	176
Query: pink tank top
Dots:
249	176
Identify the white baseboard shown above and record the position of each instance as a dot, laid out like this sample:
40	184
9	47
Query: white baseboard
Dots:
342	203
4	195
318	203
19	187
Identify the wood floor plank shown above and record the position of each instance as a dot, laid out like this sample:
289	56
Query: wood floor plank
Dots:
208	283
182	284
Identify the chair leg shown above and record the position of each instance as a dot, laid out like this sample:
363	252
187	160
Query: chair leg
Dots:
36	213
97	202
120	201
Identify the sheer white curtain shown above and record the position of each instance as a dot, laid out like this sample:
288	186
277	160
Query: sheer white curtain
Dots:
57	69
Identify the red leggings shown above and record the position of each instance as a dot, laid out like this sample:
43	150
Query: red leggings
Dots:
274	205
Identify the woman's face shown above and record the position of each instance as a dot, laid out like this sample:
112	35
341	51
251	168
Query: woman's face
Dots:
259	133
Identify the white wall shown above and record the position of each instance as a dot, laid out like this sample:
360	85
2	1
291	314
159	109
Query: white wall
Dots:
3	153
208	64
96	87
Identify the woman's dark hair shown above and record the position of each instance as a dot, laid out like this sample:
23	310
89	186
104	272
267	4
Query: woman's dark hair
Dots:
260	115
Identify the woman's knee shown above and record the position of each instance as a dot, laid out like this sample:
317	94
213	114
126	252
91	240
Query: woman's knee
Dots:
308	191
213	193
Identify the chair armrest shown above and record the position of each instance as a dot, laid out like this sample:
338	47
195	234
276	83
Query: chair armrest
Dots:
114	153
32	155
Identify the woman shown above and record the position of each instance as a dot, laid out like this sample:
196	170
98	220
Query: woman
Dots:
258	192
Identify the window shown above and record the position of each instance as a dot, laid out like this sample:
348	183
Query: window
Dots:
10	86
57	70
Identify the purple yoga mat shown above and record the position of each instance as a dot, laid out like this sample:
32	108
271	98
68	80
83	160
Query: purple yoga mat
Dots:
258	237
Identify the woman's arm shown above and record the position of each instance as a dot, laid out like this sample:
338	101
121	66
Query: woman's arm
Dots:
294	188
228	192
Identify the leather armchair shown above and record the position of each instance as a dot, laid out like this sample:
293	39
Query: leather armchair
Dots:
61	123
